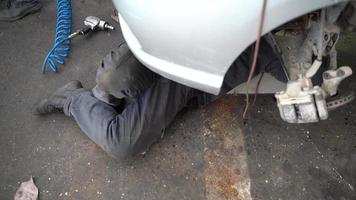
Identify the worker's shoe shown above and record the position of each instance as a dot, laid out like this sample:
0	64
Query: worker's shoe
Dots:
55	103
17	9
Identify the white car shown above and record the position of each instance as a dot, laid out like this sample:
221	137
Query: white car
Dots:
195	42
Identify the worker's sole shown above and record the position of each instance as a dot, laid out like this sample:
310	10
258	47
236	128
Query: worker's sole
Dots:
32	10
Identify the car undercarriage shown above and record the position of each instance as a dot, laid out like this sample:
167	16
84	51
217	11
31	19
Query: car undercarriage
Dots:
307	46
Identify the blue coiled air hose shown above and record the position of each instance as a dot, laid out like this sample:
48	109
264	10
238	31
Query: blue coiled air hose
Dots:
61	46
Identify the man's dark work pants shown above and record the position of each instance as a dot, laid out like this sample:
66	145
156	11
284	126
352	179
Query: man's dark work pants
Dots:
153	100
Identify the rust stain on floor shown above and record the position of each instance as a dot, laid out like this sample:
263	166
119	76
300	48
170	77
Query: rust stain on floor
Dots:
222	181
226	173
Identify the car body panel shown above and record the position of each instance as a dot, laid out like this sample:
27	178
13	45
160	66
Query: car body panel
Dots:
195	42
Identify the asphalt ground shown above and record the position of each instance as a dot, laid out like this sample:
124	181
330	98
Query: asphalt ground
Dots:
208	153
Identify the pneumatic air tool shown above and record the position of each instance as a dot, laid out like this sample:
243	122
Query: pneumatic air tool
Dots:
61	47
92	24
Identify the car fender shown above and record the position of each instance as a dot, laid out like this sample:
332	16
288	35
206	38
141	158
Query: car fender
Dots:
195	42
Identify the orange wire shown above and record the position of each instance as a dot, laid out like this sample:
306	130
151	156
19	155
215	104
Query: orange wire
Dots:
255	55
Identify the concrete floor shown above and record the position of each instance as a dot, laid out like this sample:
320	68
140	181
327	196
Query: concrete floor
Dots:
207	154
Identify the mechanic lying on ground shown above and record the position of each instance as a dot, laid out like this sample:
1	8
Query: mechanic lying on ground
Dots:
131	106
